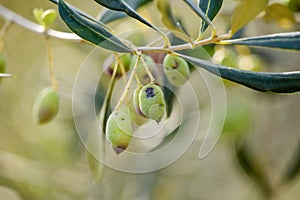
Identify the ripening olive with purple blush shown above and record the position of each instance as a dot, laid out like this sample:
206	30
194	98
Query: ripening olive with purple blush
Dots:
46	106
176	69
119	130
110	62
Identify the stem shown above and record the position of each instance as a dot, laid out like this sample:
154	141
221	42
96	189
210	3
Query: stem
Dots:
121	65
25	23
157	40
213	33
137	79
186	46
165	38
50	64
127	87
152	79
167	48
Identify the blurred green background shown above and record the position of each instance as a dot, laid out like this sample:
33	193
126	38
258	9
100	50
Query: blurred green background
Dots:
49	162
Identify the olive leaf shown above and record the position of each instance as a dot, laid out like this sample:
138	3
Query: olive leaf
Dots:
95	142
293	167
251	167
281	14
169	95
199	12
111	15
211	9
284	82
123	6
89	29
171	22
289	40
246	11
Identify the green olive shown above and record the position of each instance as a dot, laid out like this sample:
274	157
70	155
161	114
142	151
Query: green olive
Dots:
135	113
45	17
46	106
152	102
225	56
119	130
48	17
124	59
176	69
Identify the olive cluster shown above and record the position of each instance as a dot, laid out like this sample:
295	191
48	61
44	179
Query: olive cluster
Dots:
147	101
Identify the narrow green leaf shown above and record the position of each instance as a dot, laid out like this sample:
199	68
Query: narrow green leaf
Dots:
121	5
246	11
111	15
293	167
169	95
284	82
280	14
89	29
95	144
96	139
252	167
170	21
211	9
54	1
246	161
199	12
280	40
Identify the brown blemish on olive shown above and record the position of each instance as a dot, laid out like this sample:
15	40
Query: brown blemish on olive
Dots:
176	65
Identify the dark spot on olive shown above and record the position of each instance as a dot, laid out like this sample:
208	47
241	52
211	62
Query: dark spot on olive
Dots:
150	92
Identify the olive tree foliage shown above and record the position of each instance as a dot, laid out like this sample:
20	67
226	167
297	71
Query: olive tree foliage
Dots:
150	102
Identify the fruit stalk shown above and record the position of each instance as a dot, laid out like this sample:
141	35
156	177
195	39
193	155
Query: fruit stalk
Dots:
50	64
127	87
